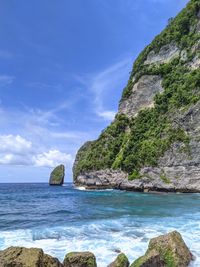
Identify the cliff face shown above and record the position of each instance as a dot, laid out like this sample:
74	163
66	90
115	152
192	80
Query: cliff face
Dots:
154	141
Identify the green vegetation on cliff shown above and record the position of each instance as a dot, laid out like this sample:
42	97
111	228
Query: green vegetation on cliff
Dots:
132	143
57	175
102	153
180	30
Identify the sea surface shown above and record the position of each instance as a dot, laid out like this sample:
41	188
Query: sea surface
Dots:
64	219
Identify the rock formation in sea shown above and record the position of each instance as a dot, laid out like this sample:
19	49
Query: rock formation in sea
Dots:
167	250
57	175
26	257
80	259
153	144
120	261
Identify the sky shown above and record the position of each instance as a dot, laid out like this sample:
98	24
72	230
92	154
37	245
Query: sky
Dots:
63	67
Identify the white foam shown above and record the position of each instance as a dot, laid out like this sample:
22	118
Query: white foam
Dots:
102	237
81	188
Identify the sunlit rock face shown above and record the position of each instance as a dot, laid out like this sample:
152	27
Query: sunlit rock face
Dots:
153	144
142	95
166	54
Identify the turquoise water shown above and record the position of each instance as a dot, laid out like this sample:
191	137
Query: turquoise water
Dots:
64	219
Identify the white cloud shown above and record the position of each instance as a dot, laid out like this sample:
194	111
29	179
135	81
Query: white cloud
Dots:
104	83
15	159
16	150
15	144
35	132
52	158
107	115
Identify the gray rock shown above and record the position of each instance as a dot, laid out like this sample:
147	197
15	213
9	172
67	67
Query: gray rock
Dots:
80	259
142	95
165	250
151	259
166	54
120	261
27	257
57	175
195	63
178	170
103	179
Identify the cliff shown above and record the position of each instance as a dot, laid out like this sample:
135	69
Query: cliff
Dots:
57	175
154	141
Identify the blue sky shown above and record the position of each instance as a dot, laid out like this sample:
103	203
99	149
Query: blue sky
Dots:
63	66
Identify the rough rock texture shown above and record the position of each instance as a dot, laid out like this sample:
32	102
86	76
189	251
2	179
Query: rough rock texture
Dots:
166	53
142	95
103	179
166	179
121	261
80	259
166	250
57	175
195	63
24	257
178	169
162	96
151	259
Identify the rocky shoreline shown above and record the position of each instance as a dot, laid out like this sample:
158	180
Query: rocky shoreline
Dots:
167	250
150	182
153	143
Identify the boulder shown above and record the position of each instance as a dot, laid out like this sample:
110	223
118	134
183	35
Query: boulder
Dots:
152	259
26	257
80	259
167	250
57	175
121	261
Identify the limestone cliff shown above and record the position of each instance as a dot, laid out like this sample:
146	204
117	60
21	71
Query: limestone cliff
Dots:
154	141
57	175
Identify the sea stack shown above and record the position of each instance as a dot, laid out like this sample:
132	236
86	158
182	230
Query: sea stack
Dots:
57	175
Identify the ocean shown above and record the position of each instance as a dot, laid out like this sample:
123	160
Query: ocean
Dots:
64	219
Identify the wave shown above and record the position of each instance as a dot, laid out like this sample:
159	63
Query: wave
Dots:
82	188
104	238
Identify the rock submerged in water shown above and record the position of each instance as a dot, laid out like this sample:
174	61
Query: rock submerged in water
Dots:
121	261
167	250
80	259
57	175
26	257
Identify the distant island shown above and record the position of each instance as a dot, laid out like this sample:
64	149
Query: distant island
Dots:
153	143
57	175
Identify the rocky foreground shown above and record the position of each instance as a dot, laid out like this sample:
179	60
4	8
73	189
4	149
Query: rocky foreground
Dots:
167	250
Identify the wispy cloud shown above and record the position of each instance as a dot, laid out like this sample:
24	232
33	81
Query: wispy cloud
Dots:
32	137
6	80
104	83
107	115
